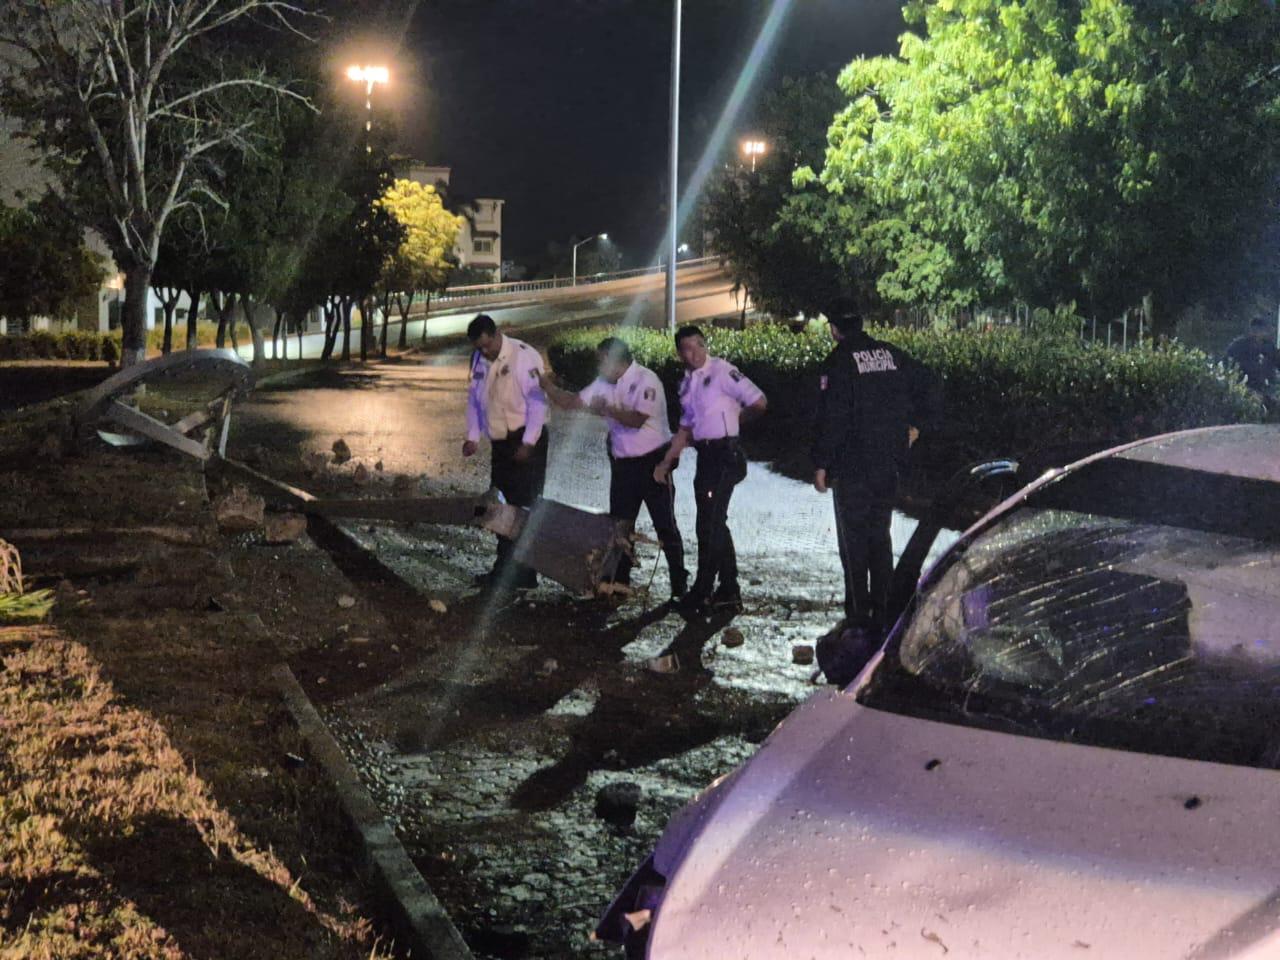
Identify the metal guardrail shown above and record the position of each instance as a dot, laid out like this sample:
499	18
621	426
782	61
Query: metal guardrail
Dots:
478	291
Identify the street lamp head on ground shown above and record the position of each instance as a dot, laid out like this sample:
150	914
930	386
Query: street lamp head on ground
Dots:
754	149
370	76
598	236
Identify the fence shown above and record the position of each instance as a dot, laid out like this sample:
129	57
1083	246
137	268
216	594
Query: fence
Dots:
493	290
1121	333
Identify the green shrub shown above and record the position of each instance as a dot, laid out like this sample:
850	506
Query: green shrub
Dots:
1006	392
206	335
72	345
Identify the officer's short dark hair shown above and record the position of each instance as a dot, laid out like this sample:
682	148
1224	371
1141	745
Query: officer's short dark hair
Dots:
687	331
482	325
615	349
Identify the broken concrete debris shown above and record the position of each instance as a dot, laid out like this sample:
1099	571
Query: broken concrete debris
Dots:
341	452
284	527
346	601
239	511
732	637
802	653
362	476
617	803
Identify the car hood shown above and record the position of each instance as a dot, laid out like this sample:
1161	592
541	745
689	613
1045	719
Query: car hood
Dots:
859	833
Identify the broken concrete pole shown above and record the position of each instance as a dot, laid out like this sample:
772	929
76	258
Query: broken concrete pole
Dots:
239	511
341	452
285	527
617	803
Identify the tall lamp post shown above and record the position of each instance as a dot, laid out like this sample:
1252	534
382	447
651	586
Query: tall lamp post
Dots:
673	169
598	236
370	77
754	149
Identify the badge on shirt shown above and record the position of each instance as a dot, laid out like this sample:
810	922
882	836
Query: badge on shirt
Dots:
735	374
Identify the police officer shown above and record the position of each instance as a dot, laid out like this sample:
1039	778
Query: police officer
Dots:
714	399
506	403
1256	356
631	400
874	399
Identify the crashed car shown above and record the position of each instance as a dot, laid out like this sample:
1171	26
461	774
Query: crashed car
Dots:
1067	748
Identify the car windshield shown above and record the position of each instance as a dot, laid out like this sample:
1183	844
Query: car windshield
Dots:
1101	629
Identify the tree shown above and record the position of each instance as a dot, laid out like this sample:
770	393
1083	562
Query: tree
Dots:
130	102
45	268
424	259
773	235
1101	152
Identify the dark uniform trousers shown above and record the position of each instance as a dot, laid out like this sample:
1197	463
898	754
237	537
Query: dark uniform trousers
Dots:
631	484
722	465
863	519
520	484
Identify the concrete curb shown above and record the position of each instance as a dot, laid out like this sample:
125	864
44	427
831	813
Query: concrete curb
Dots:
419	920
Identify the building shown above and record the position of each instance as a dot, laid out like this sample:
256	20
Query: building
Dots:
479	246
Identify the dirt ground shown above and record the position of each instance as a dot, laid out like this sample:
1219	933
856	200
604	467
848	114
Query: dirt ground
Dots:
486	731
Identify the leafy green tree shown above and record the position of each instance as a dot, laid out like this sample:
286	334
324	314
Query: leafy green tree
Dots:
45	268
1101	152
775	237
131	102
424	260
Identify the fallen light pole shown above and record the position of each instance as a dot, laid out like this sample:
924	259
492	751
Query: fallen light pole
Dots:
576	548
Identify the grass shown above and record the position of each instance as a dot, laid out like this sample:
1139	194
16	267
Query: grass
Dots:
96	807
25	607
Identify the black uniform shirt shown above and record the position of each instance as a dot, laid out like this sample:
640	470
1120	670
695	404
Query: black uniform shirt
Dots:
871	392
1256	358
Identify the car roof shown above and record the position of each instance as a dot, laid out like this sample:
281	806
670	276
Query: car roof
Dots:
1249	451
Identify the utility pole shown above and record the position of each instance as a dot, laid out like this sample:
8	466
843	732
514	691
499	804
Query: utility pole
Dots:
673	169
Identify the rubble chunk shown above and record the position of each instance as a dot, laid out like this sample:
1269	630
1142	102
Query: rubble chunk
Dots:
617	803
285	527
733	637
802	653
346	601
341	452
239	511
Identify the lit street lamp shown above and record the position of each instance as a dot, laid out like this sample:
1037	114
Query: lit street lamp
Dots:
599	236
370	77
754	149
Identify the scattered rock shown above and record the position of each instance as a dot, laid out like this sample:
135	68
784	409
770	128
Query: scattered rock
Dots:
346	601
549	666
666	664
438	606
404	484
315	462
378	466
362	475
357	640
239	511
617	802
733	638
341	452
802	653
285	527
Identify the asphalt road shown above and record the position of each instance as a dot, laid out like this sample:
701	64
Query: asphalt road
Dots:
486	748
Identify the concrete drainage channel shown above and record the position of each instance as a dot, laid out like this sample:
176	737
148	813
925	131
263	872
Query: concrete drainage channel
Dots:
417	917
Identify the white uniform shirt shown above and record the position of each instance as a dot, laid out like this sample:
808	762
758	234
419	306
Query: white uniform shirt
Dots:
637	389
712	397
505	395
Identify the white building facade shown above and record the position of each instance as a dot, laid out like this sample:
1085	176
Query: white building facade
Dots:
479	245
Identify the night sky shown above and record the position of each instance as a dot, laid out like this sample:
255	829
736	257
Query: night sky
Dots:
560	106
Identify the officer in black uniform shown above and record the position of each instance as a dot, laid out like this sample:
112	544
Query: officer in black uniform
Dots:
1256	356
873	402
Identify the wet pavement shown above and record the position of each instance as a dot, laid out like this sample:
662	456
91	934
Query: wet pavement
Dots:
487	743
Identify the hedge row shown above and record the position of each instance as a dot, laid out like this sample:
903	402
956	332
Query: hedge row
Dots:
1007	393
73	345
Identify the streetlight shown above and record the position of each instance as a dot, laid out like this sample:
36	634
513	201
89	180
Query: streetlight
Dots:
673	168
370	77
754	149
599	236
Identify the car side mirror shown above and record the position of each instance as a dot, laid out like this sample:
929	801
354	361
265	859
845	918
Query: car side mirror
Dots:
944	510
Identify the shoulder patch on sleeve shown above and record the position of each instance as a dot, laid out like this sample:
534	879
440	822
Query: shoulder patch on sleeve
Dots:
735	374
649	394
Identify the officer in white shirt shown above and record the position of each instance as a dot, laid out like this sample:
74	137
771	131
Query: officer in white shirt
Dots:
506	403
715	398
631	400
